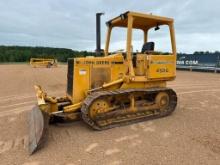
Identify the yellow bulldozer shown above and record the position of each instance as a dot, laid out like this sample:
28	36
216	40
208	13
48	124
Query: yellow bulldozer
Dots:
43	62
114	89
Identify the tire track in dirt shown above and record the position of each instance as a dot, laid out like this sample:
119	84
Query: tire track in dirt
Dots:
190	85
19	97
198	91
8	96
13	144
15	111
17	104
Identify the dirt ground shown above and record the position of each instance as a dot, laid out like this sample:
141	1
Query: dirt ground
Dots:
191	135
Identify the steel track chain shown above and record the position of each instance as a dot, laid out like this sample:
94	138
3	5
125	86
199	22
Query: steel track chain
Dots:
143	116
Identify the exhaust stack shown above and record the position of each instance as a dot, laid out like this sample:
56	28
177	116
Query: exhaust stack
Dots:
98	33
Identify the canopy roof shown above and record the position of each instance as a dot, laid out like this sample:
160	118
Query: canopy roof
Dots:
141	21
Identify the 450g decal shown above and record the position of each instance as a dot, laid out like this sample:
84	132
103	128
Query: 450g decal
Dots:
162	70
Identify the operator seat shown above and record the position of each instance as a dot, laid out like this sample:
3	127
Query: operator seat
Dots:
147	47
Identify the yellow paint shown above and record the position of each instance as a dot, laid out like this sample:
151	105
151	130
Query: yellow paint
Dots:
117	71
46	62
81	82
161	66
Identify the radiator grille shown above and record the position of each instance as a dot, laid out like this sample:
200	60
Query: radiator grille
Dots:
70	76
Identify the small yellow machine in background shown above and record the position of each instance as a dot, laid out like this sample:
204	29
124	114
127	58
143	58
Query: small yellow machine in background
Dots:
43	62
117	89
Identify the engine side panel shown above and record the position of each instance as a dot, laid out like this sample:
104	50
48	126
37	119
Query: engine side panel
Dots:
93	72
81	82
99	76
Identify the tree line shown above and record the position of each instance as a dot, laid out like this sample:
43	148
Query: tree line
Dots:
23	54
202	53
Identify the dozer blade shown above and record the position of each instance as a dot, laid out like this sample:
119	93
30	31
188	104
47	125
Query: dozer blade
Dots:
38	129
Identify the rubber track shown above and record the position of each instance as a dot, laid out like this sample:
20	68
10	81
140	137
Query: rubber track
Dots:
96	95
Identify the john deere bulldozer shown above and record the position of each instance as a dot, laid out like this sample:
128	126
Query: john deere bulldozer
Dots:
115	89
